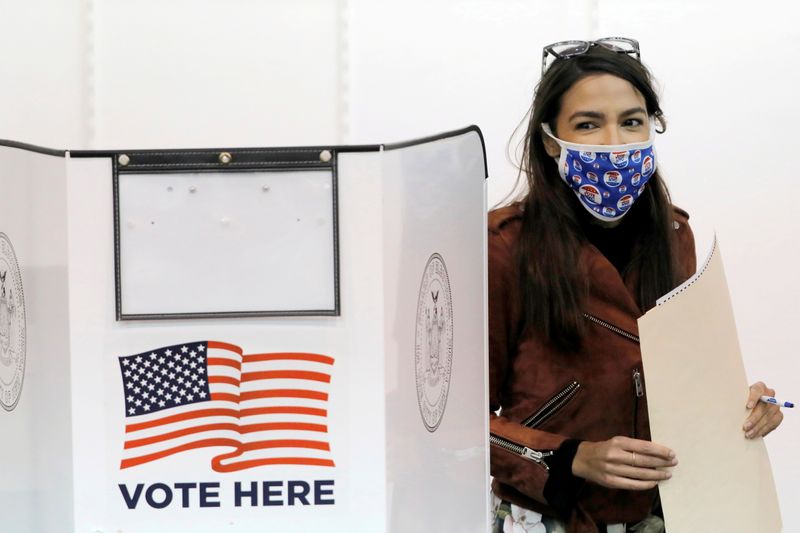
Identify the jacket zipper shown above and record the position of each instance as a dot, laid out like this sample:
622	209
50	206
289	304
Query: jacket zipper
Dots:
637	385
522	451
552	406
619	331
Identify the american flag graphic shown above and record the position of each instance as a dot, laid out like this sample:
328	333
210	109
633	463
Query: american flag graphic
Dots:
262	409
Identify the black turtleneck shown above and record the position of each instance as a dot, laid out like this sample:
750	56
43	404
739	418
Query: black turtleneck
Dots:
615	243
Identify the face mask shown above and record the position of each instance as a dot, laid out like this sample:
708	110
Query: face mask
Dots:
606	178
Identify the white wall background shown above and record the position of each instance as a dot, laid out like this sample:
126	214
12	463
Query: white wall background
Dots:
44	72
110	73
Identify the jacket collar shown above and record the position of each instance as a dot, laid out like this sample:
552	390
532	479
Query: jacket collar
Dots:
610	297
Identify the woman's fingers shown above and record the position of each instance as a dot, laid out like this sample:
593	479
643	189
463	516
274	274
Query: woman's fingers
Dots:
617	482
759	418
642	460
764	417
766	424
757	390
644	448
623	463
642	474
760	411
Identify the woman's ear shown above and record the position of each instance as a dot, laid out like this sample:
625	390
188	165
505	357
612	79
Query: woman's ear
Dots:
551	146
661	122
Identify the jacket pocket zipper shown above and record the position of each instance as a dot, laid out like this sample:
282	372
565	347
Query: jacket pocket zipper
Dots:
523	451
619	331
639	388
552	406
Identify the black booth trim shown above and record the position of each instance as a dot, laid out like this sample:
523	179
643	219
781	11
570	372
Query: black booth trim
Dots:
33	148
215	151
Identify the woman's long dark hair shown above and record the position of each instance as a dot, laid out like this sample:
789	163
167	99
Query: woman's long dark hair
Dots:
553	287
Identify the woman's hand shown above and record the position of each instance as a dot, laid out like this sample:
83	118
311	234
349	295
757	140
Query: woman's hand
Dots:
764	416
623	463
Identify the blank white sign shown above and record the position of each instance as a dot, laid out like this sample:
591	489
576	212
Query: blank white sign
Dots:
233	242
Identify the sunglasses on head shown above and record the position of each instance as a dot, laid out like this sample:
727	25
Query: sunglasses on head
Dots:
567	49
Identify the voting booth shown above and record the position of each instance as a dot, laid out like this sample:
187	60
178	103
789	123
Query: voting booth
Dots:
230	339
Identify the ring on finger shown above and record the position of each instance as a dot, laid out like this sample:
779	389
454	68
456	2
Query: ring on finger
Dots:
633	462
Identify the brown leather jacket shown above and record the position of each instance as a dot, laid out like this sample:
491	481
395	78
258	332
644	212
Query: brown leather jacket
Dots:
592	395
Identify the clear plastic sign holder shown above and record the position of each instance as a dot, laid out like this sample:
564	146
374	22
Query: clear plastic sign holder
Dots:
247	233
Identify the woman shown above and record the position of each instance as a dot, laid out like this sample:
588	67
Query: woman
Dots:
588	250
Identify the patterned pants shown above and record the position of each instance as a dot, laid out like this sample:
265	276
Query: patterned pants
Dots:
509	518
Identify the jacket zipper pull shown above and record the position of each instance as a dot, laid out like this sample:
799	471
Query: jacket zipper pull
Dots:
637	382
537	456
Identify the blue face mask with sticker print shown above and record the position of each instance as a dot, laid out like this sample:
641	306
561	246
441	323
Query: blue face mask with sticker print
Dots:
607	179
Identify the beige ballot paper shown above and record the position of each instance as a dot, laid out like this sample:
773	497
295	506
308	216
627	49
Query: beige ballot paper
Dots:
696	392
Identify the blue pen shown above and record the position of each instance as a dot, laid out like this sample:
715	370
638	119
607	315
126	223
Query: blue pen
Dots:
775	401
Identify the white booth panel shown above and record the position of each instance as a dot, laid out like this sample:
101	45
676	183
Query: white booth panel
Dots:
435	272
362	451
35	421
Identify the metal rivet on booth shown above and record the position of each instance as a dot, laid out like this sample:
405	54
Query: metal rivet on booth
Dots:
225	158
123	160
325	156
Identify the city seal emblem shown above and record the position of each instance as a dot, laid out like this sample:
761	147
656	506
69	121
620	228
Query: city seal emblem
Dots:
12	326
433	357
